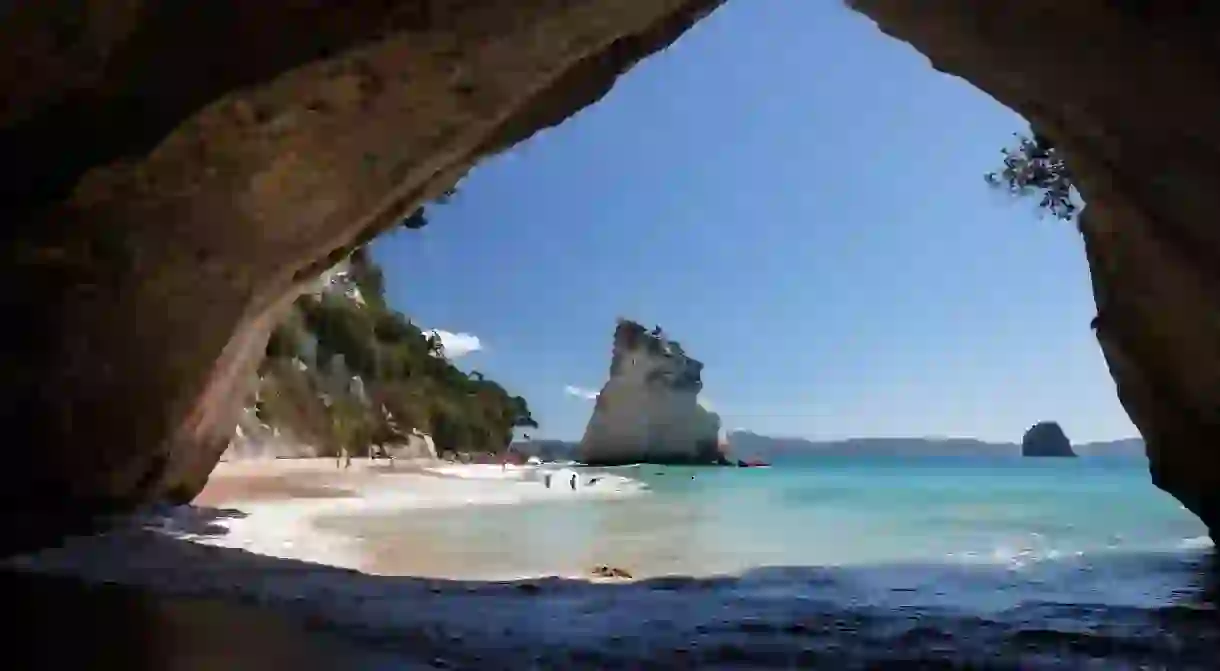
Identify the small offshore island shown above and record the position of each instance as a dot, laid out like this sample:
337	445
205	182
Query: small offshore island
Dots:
1046	439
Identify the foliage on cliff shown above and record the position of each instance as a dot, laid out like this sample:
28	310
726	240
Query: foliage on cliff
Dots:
347	370
1034	167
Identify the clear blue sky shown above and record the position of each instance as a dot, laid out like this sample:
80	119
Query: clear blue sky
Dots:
799	200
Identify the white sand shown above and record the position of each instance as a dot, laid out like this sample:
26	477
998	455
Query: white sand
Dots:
283	526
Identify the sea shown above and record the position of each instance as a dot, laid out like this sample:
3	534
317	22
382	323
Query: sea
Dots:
818	563
835	562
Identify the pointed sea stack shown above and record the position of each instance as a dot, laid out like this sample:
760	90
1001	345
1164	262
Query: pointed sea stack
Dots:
648	411
1046	439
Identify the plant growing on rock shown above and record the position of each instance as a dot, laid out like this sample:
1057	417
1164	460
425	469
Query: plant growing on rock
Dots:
1035	167
407	381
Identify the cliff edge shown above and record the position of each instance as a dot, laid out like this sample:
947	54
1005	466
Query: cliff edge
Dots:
648	411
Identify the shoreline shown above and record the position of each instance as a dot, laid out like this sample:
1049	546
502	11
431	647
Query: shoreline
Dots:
770	616
778	617
271	507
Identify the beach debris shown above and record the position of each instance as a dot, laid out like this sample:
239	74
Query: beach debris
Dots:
610	572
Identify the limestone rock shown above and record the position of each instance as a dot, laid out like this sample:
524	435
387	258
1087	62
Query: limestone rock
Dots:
253	439
648	411
1046	439
418	445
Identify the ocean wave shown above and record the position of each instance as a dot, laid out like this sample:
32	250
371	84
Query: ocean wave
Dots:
774	618
1196	543
1017	554
542	480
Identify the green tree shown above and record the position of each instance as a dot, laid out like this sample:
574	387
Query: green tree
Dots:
403	370
1034	167
352	424
367	276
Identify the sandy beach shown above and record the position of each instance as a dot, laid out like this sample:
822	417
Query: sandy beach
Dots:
270	507
281	540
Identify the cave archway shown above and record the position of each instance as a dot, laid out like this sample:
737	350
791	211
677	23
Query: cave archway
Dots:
176	171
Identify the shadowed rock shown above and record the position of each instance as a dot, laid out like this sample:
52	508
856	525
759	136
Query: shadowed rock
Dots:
175	171
1046	439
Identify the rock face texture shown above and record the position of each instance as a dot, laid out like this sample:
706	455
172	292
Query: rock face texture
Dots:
1046	439
1128	90
176	170
648	411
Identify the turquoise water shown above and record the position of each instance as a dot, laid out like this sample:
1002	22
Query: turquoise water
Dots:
819	512
824	563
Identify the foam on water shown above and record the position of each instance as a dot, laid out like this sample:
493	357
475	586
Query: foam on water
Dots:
287	528
698	521
993	566
1196	543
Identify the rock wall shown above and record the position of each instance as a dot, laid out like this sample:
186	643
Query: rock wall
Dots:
648	411
418	445
1128	90
1046	439
175	171
254	440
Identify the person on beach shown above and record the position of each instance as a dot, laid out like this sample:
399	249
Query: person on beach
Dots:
573	482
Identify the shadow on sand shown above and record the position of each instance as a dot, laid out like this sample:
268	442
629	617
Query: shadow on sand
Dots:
230	609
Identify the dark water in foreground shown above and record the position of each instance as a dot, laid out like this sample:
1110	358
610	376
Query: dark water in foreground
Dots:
59	623
1129	612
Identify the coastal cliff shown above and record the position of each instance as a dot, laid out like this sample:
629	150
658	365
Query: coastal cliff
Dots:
167	198
346	373
1046	439
648	411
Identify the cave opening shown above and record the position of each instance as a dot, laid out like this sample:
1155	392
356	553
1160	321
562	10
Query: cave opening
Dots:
162	218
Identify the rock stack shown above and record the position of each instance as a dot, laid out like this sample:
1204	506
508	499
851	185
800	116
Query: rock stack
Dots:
1046	439
648	411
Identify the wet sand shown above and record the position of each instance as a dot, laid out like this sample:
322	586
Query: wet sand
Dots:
200	606
305	616
266	488
294	509
286	479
